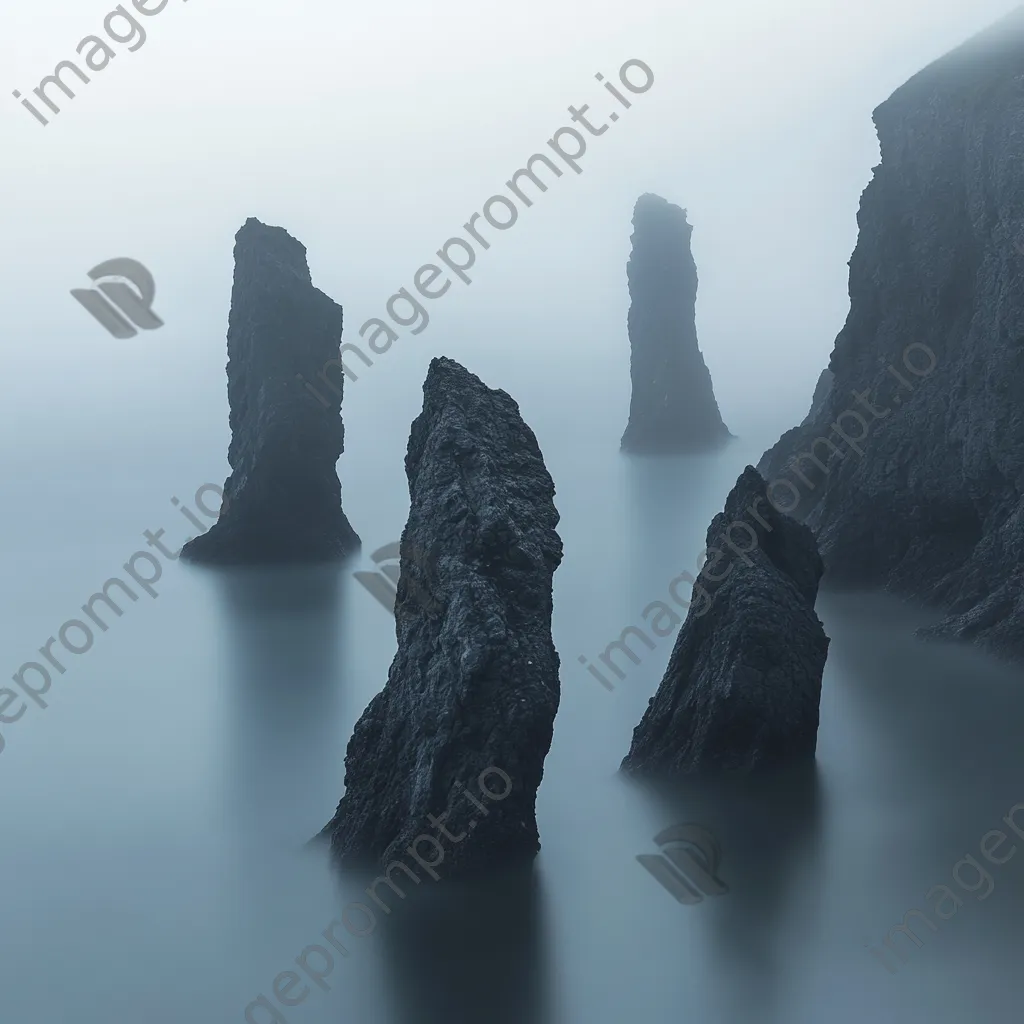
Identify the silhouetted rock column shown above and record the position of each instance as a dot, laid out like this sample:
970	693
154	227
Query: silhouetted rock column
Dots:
743	685
282	501
911	470
473	690
673	406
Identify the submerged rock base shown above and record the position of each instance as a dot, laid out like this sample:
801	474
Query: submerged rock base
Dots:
743	684
282	501
673	406
470	701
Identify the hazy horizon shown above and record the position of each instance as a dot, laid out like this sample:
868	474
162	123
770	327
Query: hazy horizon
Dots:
758	122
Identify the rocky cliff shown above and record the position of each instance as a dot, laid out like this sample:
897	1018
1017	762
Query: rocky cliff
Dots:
911	470
673	405
282	501
472	693
743	685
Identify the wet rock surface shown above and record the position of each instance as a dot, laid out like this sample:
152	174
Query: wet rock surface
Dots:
472	693
743	685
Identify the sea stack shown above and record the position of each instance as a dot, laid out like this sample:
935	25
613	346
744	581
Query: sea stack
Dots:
673	406
911	471
282	501
471	696
743	684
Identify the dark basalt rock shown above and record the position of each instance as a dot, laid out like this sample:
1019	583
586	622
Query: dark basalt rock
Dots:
282	501
474	684
743	685
928	500
673	405
821	392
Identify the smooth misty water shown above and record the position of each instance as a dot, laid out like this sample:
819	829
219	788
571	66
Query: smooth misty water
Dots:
154	814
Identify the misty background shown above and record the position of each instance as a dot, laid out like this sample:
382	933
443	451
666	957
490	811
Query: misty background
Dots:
151	815
372	133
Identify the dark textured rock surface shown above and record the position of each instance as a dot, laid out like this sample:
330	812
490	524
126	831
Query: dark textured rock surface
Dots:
932	356
743	685
673	405
474	684
283	497
821	392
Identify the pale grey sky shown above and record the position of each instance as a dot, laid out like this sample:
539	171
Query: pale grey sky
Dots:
373	132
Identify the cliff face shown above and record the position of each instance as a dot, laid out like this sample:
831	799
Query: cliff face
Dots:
820	396
743	686
282	501
911	470
474	685
673	405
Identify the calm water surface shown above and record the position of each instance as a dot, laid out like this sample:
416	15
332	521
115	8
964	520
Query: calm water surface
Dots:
154	814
